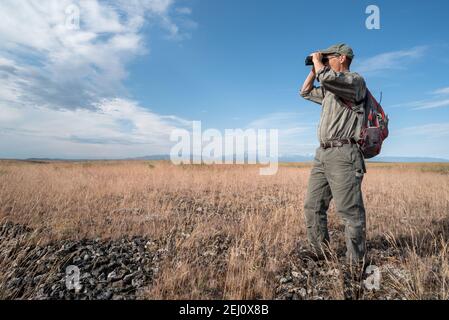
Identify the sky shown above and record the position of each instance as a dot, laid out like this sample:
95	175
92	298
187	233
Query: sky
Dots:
132	71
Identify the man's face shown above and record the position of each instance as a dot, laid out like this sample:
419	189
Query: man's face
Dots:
335	62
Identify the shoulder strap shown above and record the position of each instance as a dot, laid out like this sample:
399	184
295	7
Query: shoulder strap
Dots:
361	116
364	99
356	103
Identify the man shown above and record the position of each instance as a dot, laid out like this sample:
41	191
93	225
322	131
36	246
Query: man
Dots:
339	166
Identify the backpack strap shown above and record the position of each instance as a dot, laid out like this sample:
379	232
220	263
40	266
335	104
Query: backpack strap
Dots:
356	103
361	117
362	100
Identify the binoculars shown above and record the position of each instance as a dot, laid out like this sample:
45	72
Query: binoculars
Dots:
309	60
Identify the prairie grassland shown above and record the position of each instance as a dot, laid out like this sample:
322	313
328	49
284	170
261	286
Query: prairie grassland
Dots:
230	233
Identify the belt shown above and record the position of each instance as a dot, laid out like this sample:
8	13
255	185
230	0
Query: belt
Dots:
337	143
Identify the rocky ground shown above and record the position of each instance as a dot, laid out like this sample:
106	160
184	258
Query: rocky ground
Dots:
380	278
85	269
122	269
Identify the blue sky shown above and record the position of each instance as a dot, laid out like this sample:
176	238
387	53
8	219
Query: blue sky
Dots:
135	70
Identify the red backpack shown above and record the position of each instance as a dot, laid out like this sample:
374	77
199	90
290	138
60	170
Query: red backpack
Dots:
374	127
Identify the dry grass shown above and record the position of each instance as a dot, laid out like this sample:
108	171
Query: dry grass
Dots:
229	232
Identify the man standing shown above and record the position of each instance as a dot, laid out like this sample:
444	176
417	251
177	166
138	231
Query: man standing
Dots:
339	165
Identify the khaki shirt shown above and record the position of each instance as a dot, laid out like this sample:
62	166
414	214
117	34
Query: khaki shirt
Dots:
339	119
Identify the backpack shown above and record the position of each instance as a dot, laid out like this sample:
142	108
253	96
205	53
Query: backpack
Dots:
374	127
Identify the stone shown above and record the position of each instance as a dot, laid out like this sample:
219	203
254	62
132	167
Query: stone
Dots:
286	280
105	295
112	276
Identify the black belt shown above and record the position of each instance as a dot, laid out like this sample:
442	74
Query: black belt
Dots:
337	143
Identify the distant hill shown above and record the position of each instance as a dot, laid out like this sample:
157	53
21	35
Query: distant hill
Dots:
294	158
407	159
153	158
290	158
303	158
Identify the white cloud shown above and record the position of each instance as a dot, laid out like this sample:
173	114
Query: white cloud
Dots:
431	130
423	104
428	104
389	60
43	62
117	128
442	91
432	104
61	87
184	10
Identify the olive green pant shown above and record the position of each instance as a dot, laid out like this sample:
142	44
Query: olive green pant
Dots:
337	174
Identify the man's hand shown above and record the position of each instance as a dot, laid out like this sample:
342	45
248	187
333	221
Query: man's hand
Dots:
317	58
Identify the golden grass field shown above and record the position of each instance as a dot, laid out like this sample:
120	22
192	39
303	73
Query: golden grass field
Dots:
230	233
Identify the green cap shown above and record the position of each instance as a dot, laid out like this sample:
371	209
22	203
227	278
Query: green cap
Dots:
341	49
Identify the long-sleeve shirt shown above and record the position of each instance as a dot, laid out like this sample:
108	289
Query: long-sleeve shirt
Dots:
341	95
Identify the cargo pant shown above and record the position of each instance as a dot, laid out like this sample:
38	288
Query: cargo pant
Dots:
337	174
